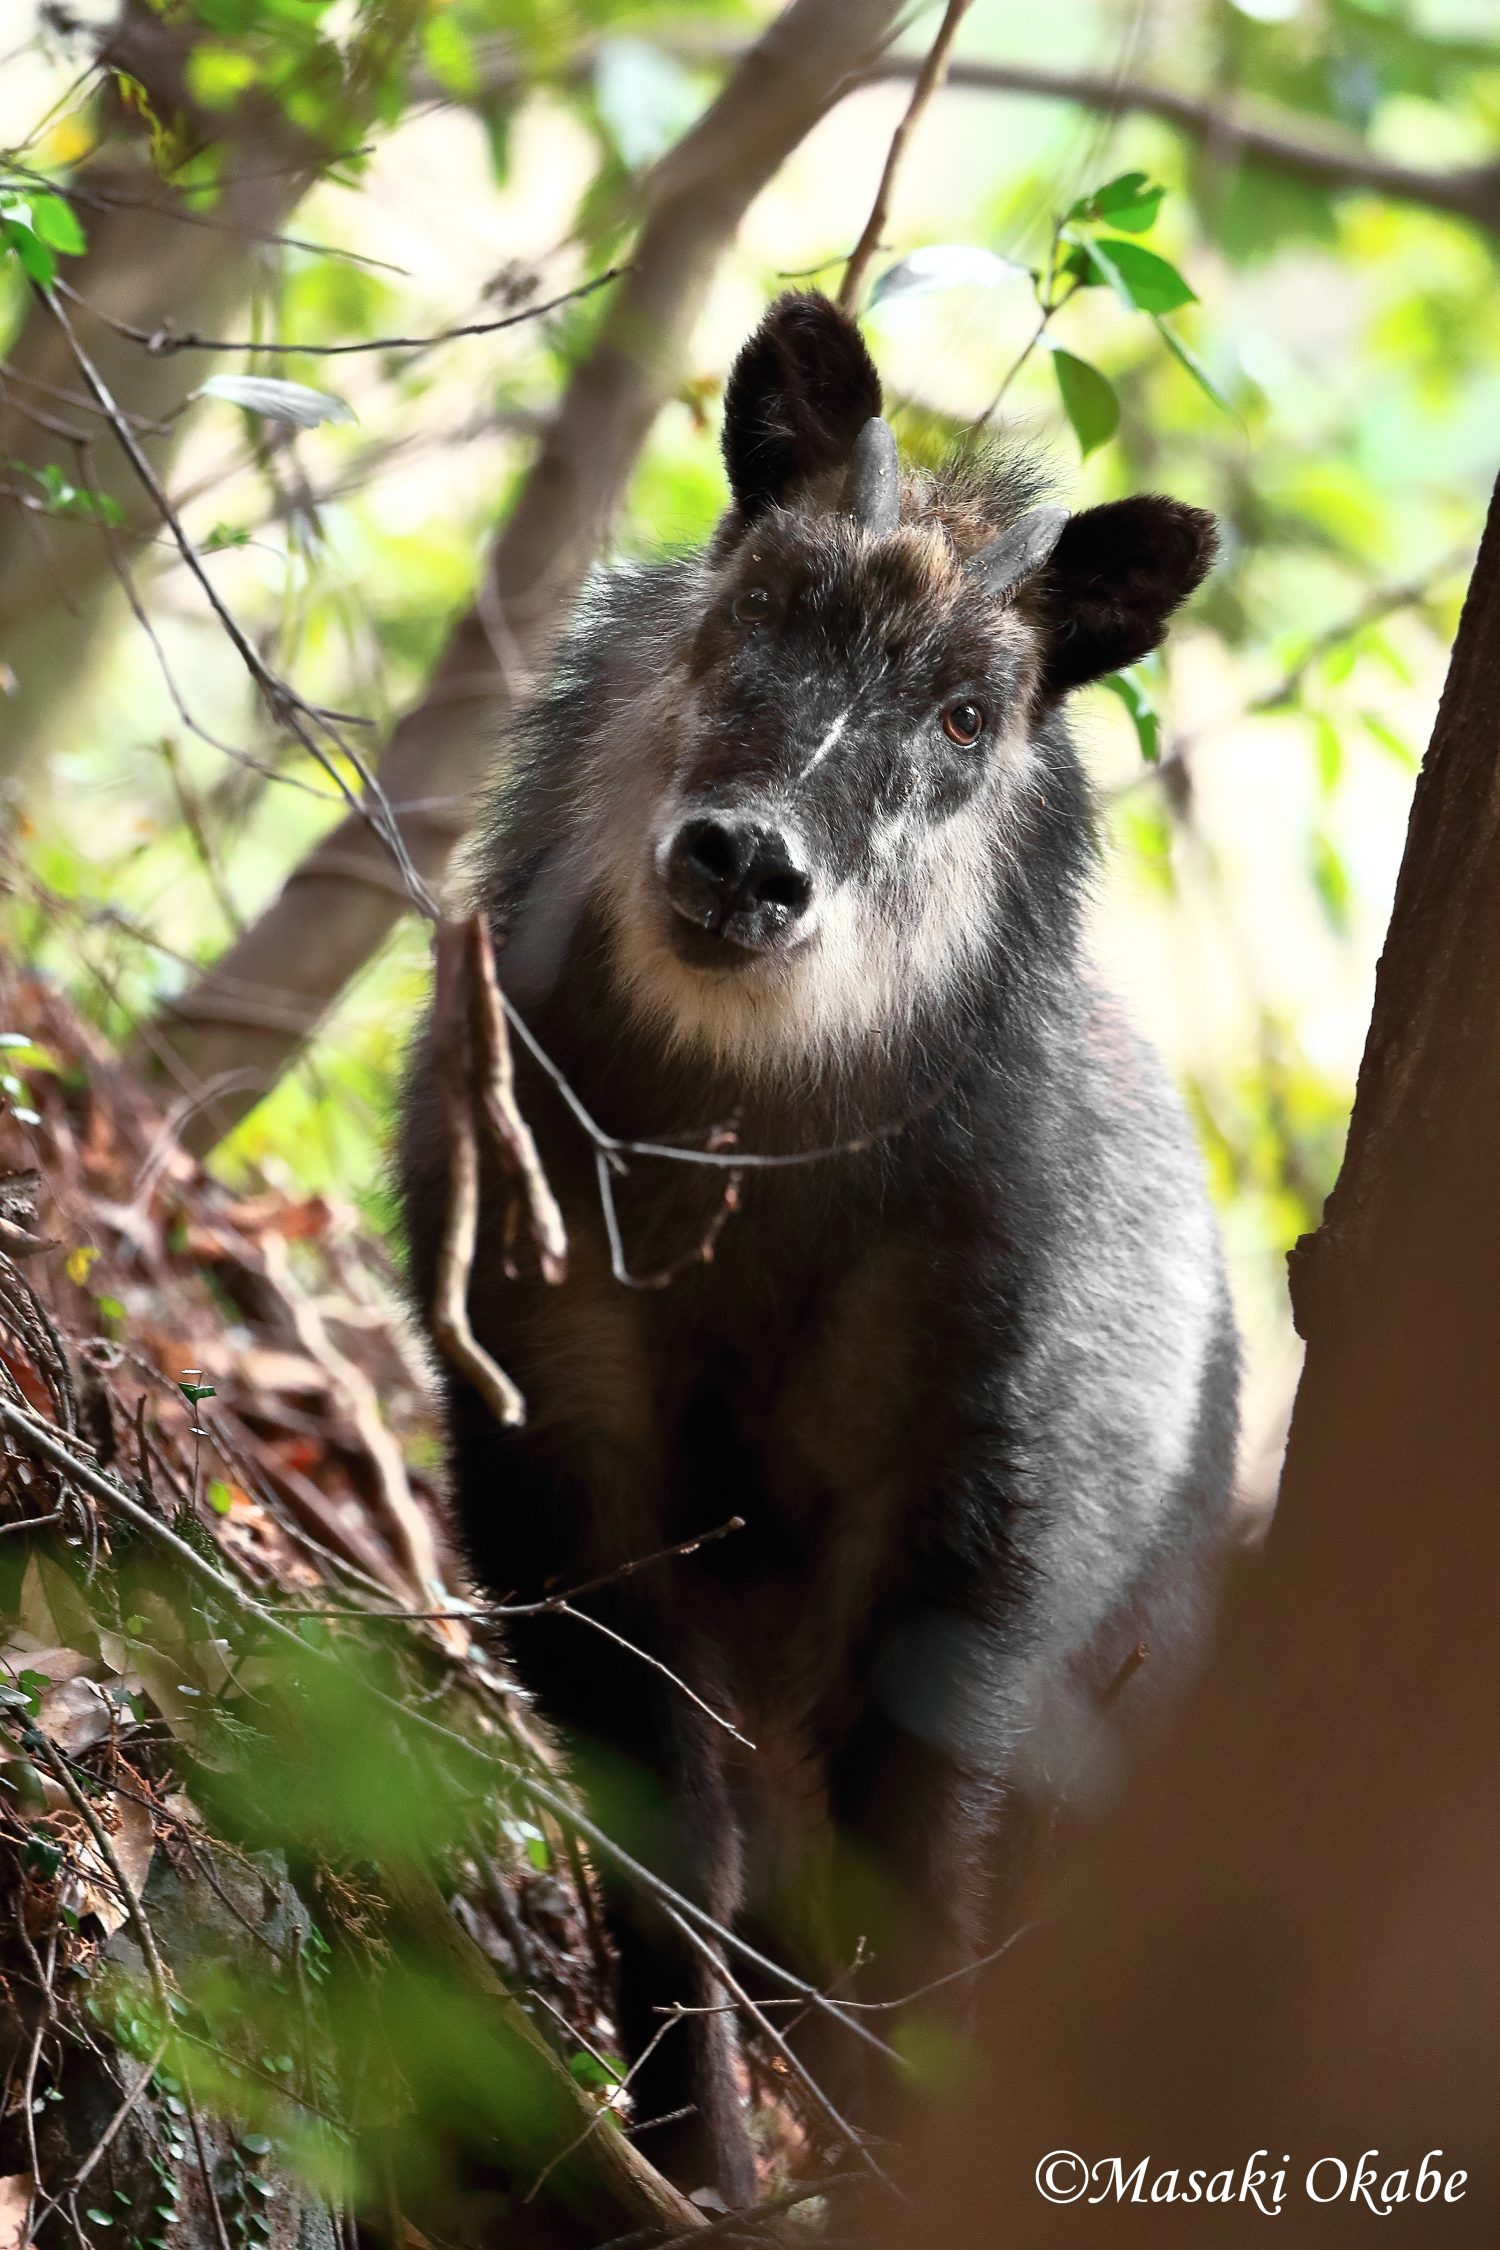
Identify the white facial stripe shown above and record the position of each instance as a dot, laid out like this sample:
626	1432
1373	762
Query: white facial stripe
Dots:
827	743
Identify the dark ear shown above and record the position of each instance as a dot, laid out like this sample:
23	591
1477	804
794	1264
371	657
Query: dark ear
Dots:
798	396
1113	580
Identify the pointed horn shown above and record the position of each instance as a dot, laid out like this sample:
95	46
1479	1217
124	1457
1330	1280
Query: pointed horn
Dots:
874	487
1018	553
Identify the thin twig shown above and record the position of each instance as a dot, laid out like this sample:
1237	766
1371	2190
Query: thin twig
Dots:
496	1094
102	2144
789	2055
285	705
104	1844
606	2107
476	1611
162	340
929	78
655	1663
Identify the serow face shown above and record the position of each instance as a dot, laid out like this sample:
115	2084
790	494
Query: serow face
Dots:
848	733
849	693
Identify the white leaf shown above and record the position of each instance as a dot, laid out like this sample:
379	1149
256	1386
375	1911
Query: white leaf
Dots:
277	400
953	265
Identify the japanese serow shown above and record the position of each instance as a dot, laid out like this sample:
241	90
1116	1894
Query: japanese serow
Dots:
795	846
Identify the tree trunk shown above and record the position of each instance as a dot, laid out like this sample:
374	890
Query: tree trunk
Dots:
1285	1940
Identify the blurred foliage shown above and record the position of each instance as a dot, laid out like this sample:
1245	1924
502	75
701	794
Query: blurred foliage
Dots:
1324	372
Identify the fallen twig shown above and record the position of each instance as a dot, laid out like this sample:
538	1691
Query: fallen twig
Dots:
450	1306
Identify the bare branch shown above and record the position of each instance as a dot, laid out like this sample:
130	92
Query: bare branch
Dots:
496	1093
450	1306
1258	133
163	340
929	78
17	1243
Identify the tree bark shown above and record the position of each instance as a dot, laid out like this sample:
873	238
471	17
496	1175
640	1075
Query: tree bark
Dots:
251	1011
1285	1940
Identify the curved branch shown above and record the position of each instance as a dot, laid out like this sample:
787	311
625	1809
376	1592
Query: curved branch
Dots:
1277	139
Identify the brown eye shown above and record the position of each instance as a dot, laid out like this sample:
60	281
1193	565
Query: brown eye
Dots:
752	606
963	723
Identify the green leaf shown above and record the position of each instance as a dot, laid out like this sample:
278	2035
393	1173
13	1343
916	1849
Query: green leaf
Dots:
1331	882
1330	753
57	224
1193	365
67	499
1130	202
1388	739
220	1498
1132	690
1088	400
449	54
19	235
1139	278
217	76
42	1856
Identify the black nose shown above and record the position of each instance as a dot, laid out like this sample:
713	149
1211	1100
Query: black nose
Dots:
737	879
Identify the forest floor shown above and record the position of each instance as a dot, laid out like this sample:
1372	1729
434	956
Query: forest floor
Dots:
239	1686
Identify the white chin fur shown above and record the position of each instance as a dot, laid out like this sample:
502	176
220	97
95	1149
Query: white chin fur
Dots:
858	978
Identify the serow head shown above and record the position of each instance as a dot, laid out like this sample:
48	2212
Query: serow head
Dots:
853	721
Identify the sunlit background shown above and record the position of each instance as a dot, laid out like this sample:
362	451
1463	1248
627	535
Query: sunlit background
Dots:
1336	401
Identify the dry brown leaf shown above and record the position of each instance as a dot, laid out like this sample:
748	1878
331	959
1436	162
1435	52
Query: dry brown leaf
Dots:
25	1653
91	1888
183	1678
15	2204
271	1213
51	1608
75	1715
